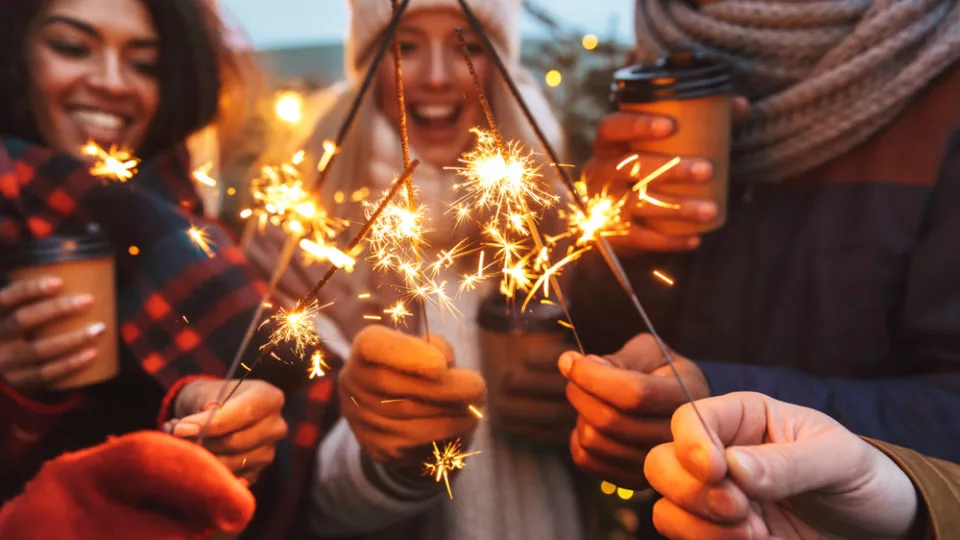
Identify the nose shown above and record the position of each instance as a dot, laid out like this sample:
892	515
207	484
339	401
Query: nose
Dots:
108	76
438	68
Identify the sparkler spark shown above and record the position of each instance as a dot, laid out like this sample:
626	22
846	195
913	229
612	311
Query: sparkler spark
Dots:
663	277
398	313
326	252
116	163
202	175
201	239
444	462
642	186
318	365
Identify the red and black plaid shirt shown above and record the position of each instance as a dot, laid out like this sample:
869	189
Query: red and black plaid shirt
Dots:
180	312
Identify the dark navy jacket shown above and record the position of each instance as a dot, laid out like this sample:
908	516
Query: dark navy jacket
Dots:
839	291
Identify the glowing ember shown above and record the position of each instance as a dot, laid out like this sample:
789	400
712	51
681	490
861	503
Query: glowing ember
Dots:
202	175
450	459
200	239
318	366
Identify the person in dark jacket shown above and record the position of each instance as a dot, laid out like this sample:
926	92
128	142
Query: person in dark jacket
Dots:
834	282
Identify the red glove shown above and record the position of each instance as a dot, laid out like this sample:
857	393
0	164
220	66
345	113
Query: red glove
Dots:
145	485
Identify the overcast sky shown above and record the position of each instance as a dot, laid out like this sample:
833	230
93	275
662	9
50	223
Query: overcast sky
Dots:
278	23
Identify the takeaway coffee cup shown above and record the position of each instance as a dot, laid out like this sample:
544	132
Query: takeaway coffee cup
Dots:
697	92
509	338
85	263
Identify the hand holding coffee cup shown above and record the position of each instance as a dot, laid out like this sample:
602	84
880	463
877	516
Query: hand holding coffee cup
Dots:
59	314
681	107
30	362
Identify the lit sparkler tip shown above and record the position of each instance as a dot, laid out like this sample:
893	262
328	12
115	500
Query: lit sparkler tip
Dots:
295	326
118	164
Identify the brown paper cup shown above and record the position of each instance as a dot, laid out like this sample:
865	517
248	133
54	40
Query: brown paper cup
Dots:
696	90
703	131
94	277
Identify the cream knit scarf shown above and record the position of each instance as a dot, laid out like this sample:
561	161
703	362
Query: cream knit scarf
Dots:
824	75
504	493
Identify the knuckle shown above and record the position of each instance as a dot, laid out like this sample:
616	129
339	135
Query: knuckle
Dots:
634	394
607	419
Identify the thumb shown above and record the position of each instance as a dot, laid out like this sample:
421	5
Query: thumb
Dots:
776	471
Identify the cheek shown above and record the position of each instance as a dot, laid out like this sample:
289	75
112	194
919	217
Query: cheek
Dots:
148	92
51	77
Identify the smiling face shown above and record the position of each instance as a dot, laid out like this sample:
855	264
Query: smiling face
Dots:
442	103
92	67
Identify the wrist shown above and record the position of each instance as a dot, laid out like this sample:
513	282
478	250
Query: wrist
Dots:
401	482
178	402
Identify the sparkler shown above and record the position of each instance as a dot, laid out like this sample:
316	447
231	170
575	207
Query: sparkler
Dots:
118	164
294	326
502	176
312	298
450	459
602	244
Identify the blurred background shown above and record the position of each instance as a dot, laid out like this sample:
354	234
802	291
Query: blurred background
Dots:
572	46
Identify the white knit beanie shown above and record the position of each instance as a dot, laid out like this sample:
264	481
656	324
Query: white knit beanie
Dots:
369	18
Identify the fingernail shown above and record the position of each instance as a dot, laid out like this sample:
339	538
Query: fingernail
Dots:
96	329
706	211
50	283
167	427
88	355
82	300
565	363
661	127
701	170
186	430
693	242
744	461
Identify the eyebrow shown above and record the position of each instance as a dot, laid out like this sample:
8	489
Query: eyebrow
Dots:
138	43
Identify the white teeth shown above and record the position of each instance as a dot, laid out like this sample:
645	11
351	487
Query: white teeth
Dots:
99	119
435	111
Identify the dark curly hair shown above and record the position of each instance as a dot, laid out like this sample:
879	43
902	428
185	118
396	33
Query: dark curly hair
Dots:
193	64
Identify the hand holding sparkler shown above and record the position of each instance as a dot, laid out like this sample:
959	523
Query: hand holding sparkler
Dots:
246	429
400	393
625	401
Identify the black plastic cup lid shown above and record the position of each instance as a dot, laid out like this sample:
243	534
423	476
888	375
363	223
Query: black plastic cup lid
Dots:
681	75
59	248
496	315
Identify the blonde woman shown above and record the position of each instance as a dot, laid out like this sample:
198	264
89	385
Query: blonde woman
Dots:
368	481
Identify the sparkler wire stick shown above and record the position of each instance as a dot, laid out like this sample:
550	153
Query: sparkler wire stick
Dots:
405	146
531	223
388	34
289	248
602	244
